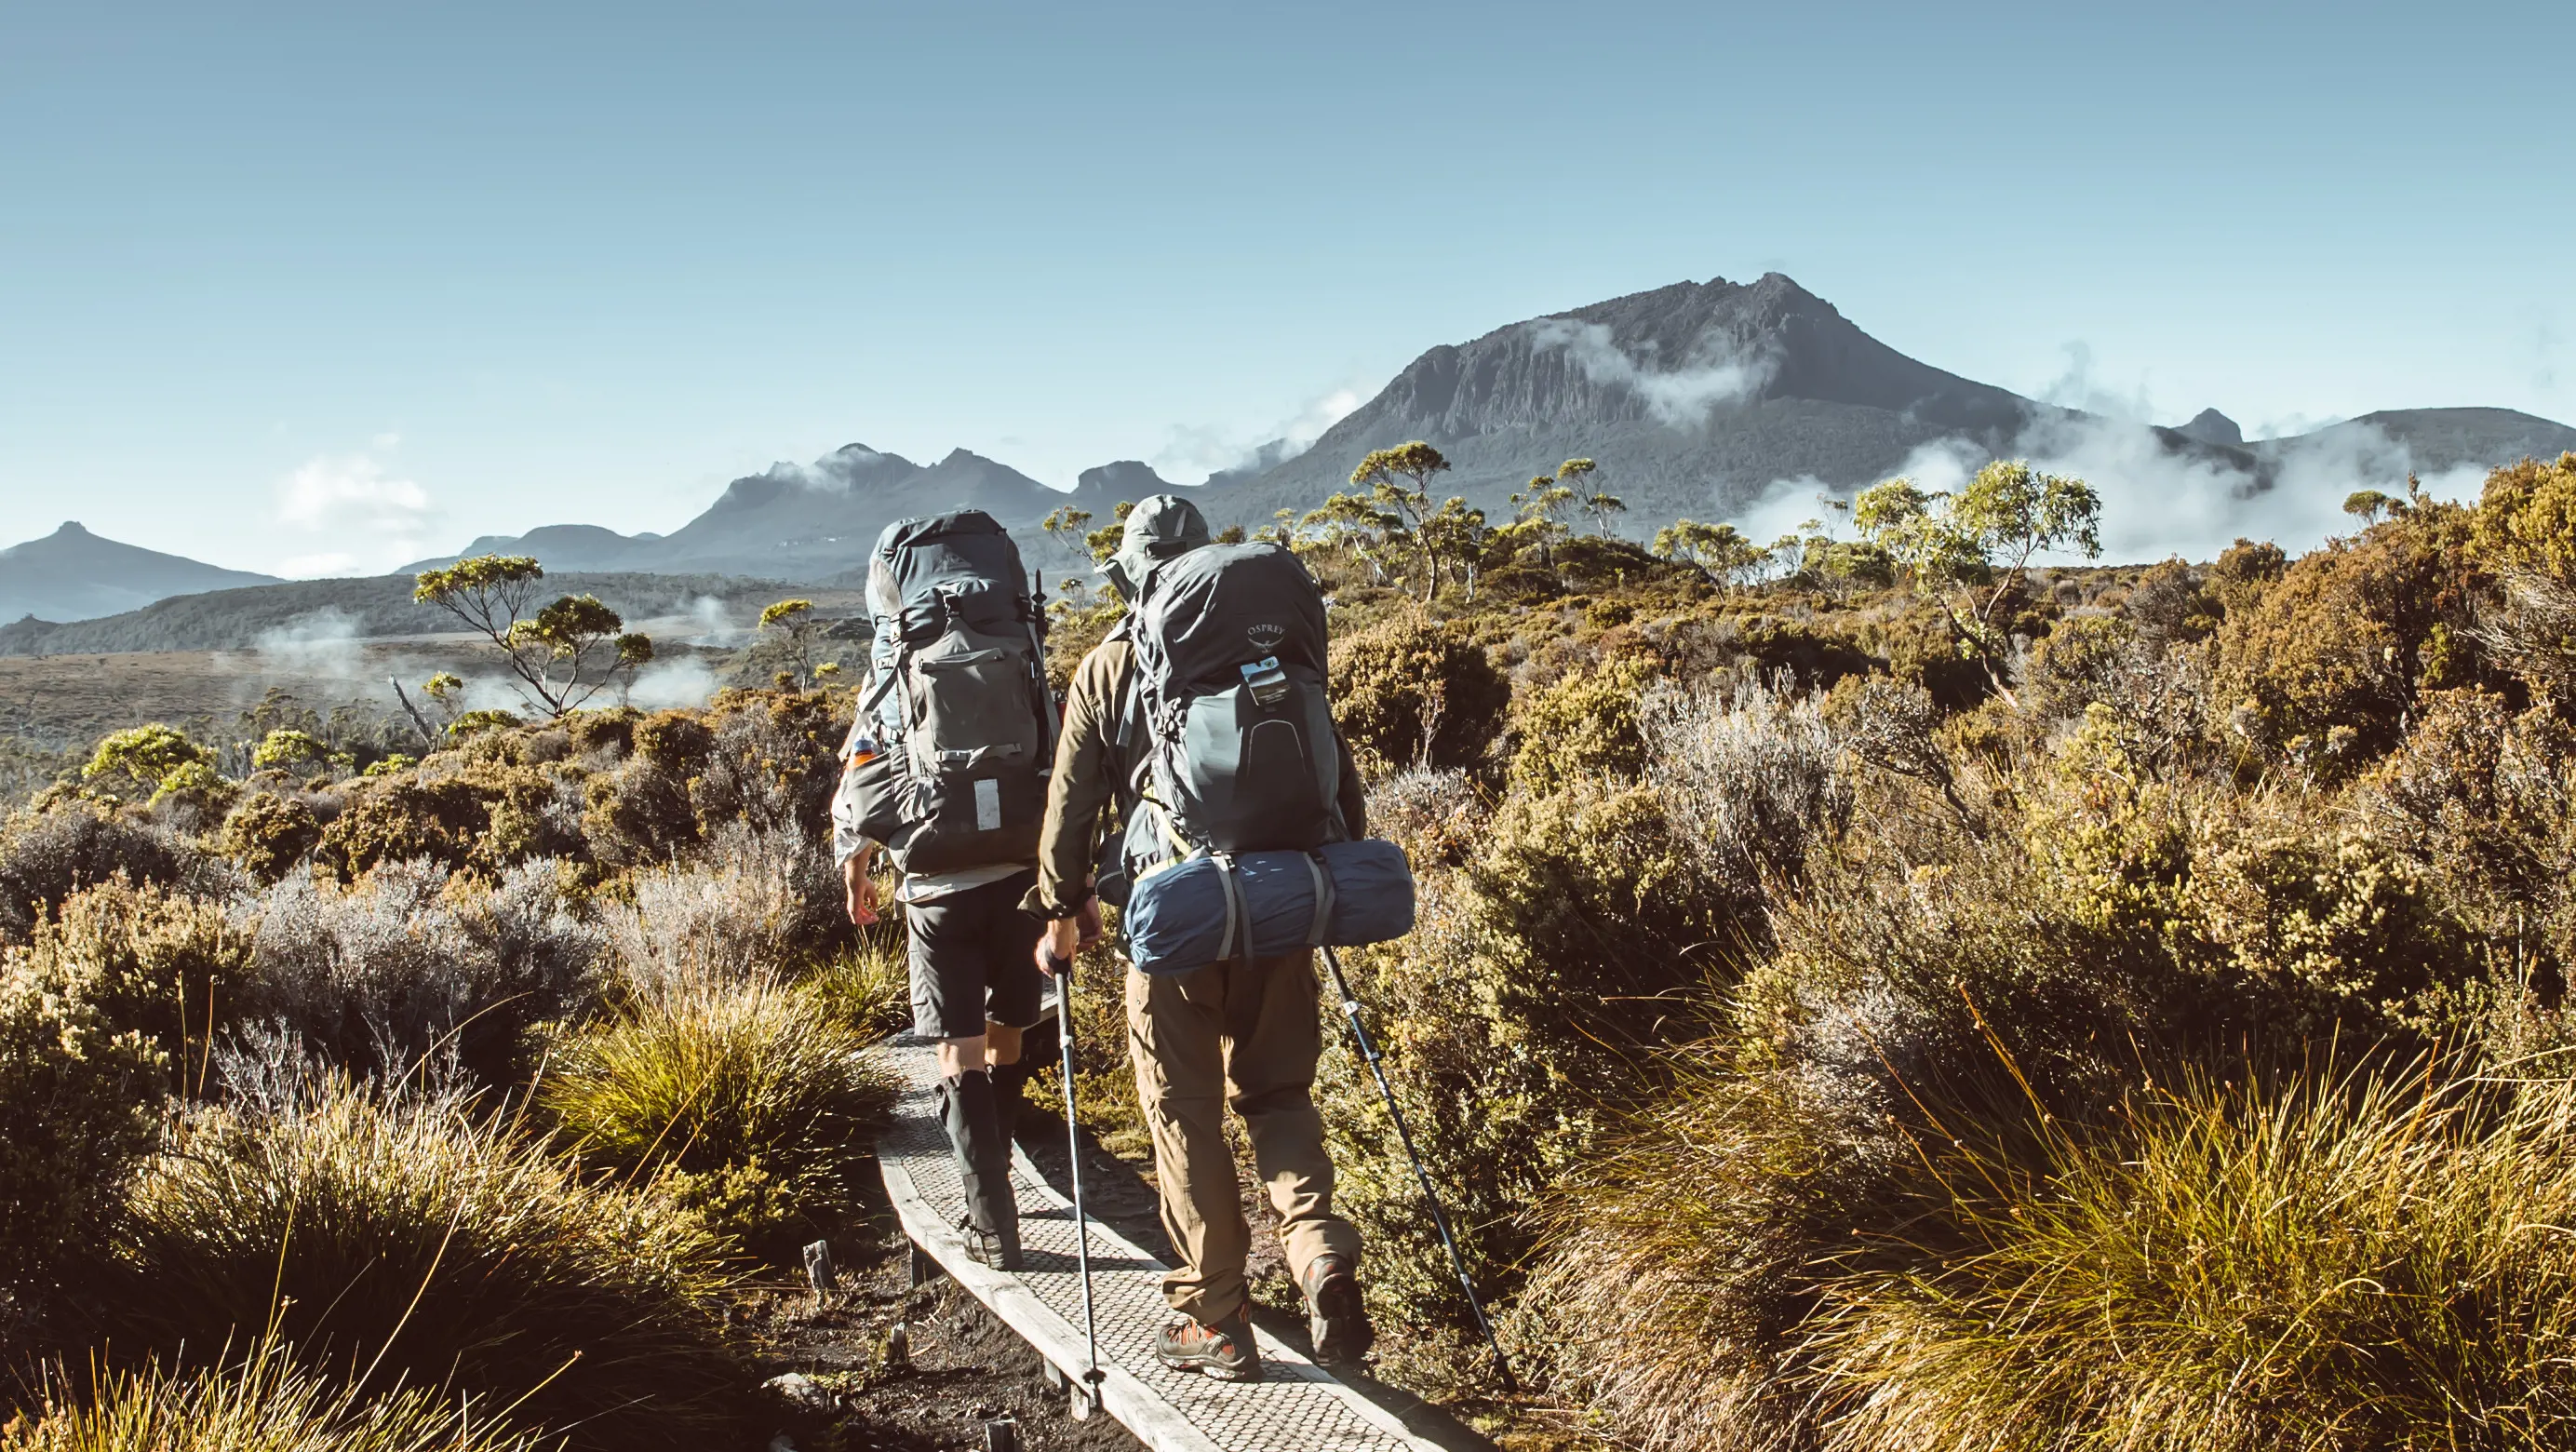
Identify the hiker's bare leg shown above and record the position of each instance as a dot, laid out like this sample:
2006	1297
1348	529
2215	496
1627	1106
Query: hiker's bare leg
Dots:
1002	1043
959	1056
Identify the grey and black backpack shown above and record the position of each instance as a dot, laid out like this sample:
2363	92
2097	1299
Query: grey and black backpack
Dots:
1240	752
947	762
1237	848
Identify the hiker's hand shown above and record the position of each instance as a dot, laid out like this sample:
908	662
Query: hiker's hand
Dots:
1087	922
1055	950
860	889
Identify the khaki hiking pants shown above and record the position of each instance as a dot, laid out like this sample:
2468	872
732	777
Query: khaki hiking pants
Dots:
1244	1034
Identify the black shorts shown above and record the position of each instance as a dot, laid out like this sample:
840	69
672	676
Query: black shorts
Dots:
974	958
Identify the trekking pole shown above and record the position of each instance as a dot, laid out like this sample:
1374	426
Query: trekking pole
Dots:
1062	968
1439	1217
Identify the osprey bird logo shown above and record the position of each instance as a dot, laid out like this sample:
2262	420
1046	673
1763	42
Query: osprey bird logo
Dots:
1265	637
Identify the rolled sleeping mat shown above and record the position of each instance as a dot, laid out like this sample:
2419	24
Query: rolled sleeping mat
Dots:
1213	907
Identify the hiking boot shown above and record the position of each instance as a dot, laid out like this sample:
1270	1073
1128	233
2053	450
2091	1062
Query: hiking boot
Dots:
1223	1350
999	1249
1335	1315
983	1155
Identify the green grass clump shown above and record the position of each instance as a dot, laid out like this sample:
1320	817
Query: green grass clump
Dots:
435	1247
2322	1267
746	1099
263	1403
2314	1265
866	988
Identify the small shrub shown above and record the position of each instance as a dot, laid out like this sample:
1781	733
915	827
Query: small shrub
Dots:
487	815
155	962
748	1093
413	962
1749	778
1415	693
429	1244
1541	983
775	762
75	1097
2244	571
2172	603
2327	662
757	903
1584	725
47	856
608	733
2484	797
144	760
404	819
263	1402
267	833
1438	817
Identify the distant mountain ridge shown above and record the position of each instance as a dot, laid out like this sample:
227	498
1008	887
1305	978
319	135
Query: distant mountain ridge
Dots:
817	521
73	574
303	614
1696	399
1693	399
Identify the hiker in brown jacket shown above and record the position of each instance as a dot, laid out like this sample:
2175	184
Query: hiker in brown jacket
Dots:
1245	1033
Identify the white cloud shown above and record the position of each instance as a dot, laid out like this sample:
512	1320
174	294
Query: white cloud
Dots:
2078	388
2158	501
317	643
363	517
684	681
1680	396
1194	451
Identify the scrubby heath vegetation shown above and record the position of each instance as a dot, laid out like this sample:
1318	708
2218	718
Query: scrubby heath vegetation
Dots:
1906	987
1903	986
458	1099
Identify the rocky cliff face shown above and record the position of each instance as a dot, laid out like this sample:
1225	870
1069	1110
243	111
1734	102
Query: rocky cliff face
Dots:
1691	398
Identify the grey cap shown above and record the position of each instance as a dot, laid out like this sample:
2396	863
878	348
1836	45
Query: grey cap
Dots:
1159	527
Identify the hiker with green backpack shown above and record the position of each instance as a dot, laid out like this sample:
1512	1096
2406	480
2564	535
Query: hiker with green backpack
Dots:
1202	722
945	772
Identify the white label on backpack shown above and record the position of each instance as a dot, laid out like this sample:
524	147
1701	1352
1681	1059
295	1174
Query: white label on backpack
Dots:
988	805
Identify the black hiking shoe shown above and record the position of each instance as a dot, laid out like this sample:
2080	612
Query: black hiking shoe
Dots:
999	1249
1335	1316
1223	1350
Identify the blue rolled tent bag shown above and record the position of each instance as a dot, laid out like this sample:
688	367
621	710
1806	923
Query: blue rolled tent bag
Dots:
1215	906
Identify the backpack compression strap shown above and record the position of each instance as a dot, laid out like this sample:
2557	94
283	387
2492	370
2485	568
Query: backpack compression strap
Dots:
1322	927
1235	917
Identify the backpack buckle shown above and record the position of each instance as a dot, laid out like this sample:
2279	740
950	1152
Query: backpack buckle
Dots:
1268	683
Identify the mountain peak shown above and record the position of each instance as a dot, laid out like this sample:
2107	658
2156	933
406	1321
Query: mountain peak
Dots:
2212	427
1122	479
73	574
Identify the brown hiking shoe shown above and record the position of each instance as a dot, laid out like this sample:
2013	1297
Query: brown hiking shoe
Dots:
1335	1315
1223	1350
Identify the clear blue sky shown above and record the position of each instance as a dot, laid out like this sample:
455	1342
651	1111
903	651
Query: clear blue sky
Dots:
316	287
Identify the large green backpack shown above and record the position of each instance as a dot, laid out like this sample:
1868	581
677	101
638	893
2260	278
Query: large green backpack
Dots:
1240	754
948	760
